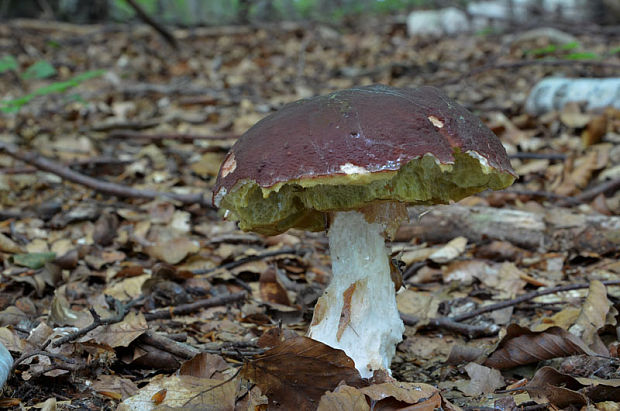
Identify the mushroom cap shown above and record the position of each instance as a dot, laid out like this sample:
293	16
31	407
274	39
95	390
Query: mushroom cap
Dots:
349	148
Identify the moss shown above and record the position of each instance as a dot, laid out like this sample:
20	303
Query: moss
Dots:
303	203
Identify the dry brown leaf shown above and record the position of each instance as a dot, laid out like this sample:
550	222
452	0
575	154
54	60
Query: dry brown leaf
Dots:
124	387
595	130
275	336
403	396
9	246
450	251
204	365
482	380
551	386
184	392
563	319
296	373
572	116
344	398
521	346
120	334
173	251
593	313
270	288
105	229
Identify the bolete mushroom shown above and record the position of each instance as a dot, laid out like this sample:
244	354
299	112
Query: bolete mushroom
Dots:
350	162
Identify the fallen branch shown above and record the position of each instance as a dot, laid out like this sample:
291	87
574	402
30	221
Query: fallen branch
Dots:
469	330
538	156
608	186
121	311
164	343
248	259
144	16
184	309
525	297
556	229
48	354
104	187
167	136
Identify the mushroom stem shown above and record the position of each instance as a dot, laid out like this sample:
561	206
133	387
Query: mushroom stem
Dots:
357	313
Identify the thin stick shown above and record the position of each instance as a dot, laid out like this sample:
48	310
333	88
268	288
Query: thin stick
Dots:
612	185
104	187
121	311
183	309
538	156
168	136
525	297
144	16
247	259
164	343
469	330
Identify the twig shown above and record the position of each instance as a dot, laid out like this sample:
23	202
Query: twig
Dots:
168	136
164	343
89	162
104	187
167	35
121	311
538	156
469	330
183	309
525	63
611	185
542	193
247	259
55	356
525	297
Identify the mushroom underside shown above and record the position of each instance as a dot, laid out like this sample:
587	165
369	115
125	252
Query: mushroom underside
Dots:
302	203
358	313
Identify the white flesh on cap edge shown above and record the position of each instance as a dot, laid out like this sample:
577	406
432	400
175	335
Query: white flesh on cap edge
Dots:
357	313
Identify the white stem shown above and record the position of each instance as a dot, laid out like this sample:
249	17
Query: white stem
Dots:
358	311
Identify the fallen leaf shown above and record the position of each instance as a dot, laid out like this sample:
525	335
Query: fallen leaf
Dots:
105	229
173	251
204	365
184	392
450	251
123	387
296	373
595	130
8	246
521	346
483	380
120	334
33	260
270	288
344	398
401	395
593	313
551	386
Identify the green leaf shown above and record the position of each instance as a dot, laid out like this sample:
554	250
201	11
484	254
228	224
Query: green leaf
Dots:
13	105
33	260
582	56
40	69
7	63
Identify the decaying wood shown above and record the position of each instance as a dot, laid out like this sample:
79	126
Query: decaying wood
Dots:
556	229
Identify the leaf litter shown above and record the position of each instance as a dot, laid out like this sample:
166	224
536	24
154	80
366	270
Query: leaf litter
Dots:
64	248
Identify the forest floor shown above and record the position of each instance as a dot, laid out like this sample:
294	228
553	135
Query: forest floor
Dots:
112	295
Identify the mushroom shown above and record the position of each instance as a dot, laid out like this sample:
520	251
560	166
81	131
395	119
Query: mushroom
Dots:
350	162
